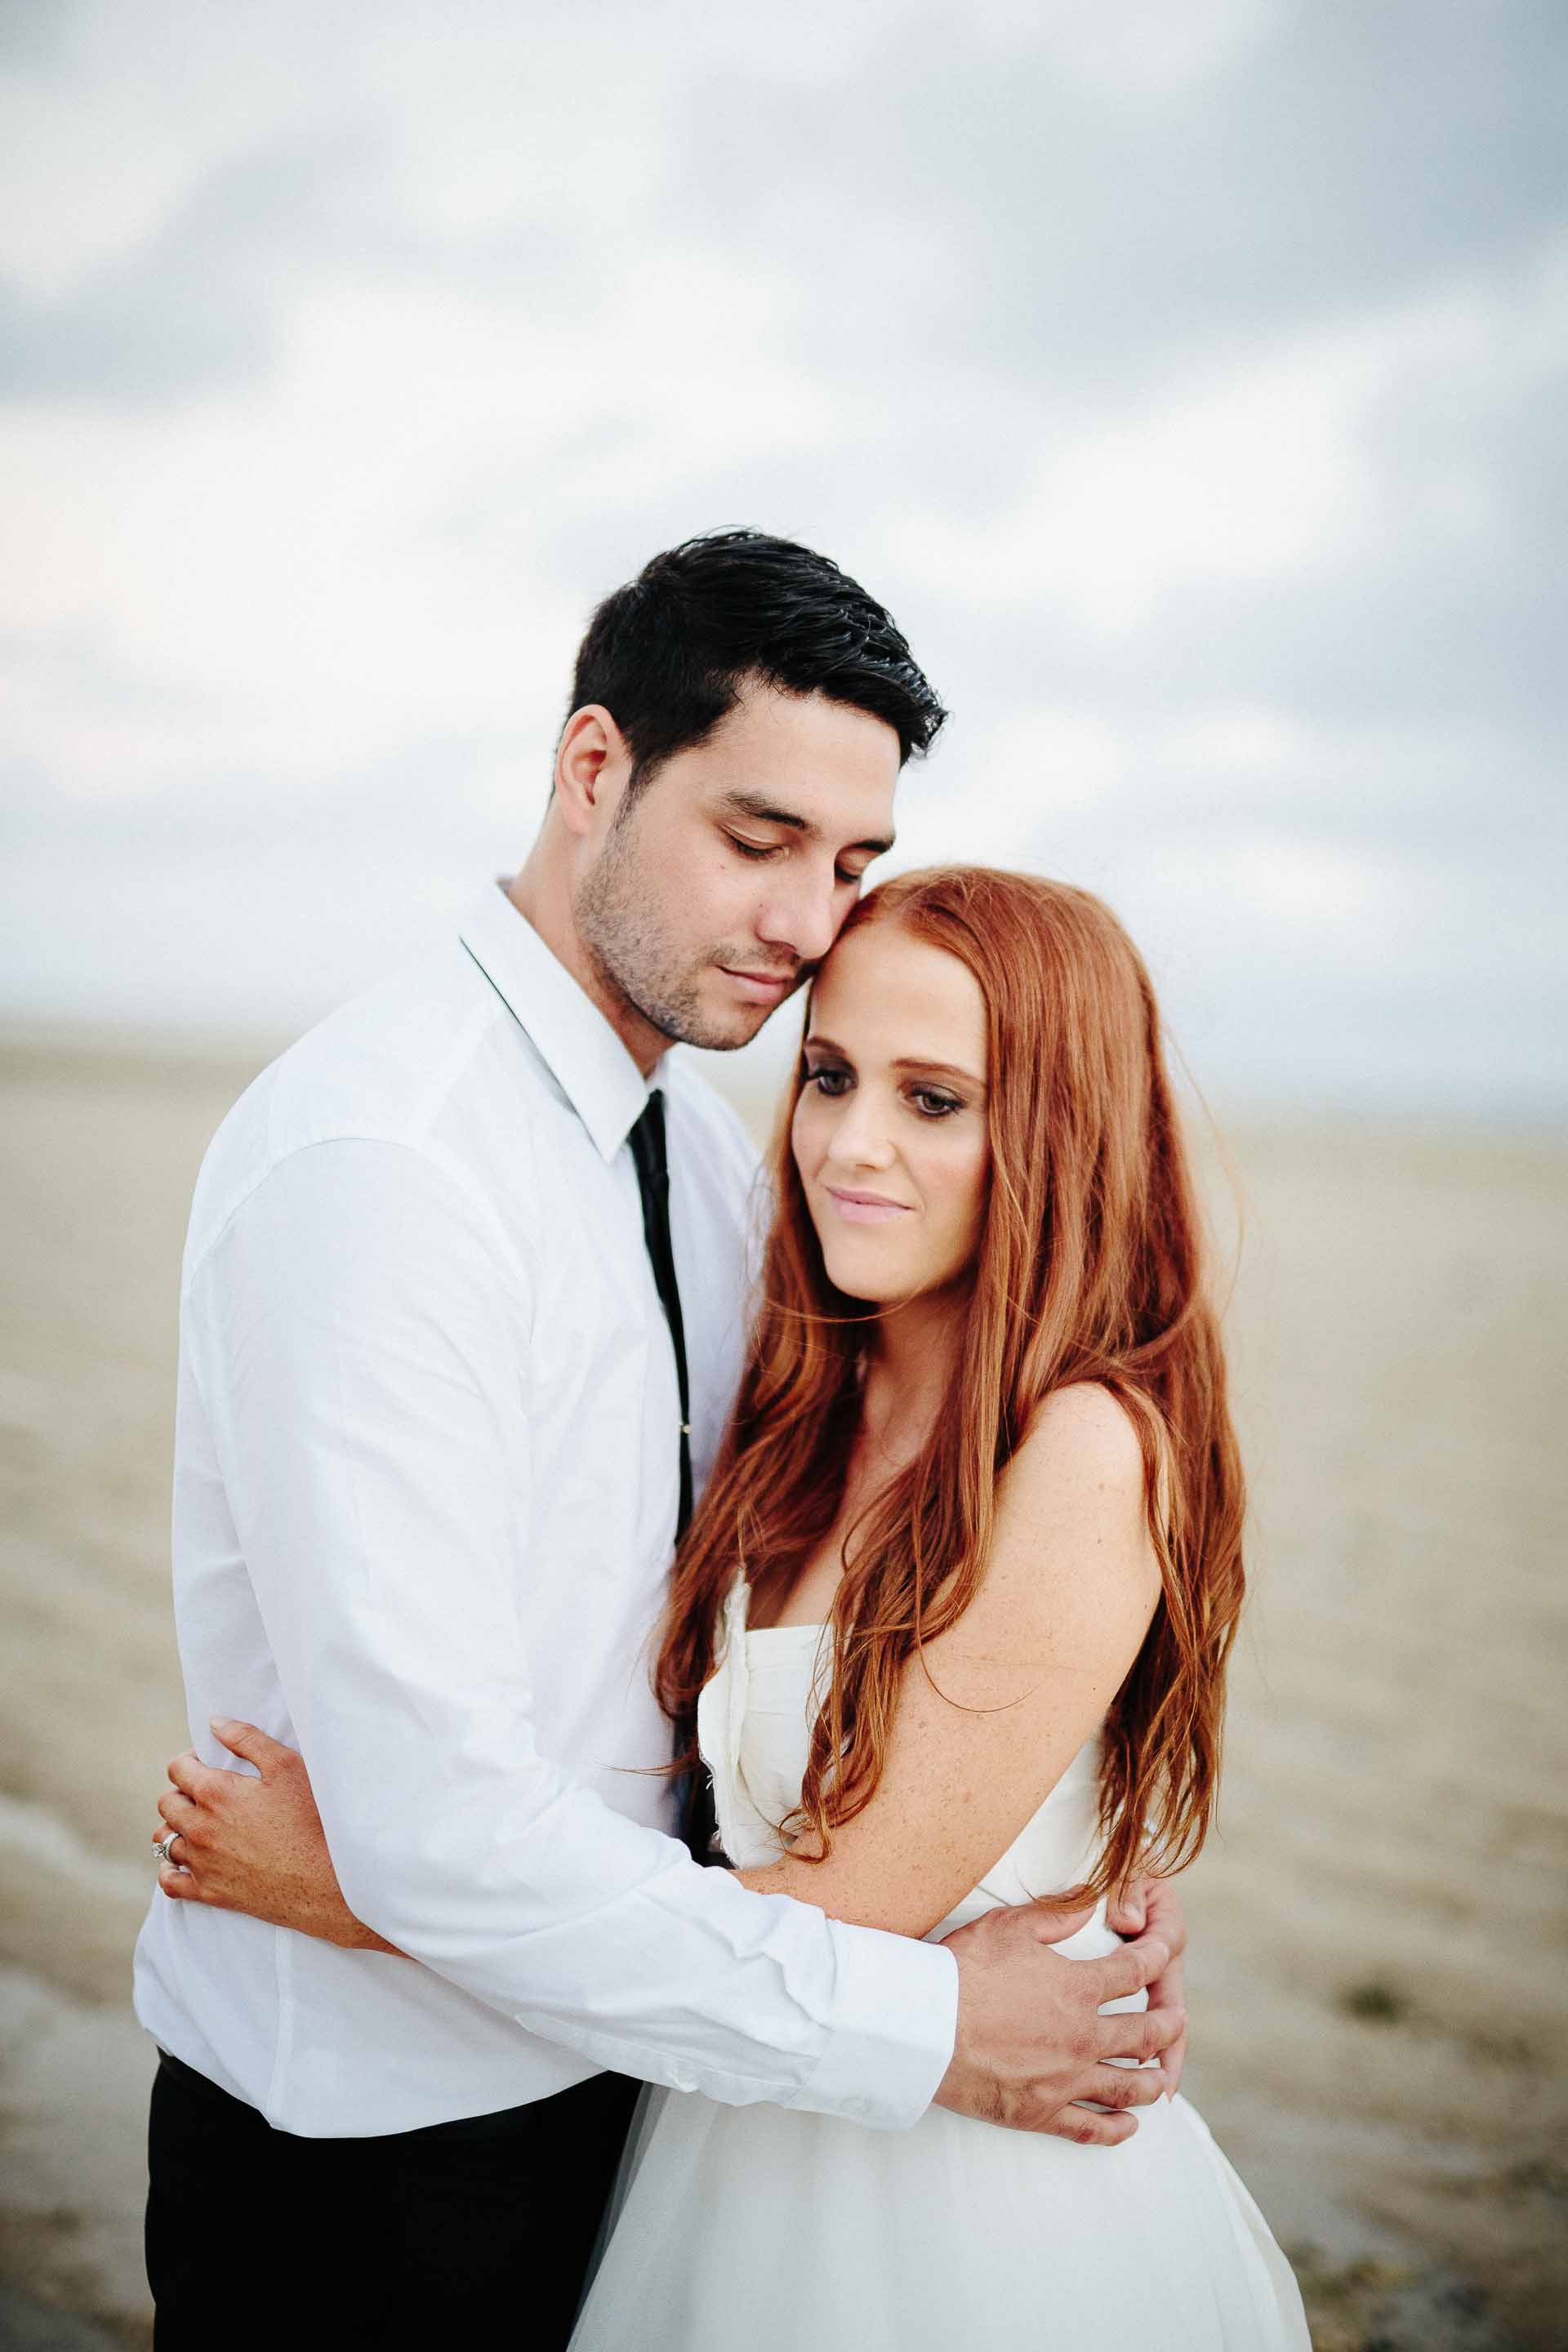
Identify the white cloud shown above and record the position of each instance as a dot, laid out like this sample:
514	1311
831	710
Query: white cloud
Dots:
447	325
1256	466
1137	49
1236	738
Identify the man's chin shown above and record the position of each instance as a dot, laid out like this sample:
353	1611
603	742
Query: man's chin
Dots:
711	1013
721	1021
726	1033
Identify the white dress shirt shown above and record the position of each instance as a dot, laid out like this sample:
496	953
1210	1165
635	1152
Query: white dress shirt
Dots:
424	1495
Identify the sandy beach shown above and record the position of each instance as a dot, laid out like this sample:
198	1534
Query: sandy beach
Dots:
1380	1964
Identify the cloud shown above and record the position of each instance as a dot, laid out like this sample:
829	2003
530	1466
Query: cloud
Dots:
1090	230
1187	376
39	34
1311	454
193	306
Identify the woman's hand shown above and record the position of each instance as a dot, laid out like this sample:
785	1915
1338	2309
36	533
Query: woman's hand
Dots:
244	1845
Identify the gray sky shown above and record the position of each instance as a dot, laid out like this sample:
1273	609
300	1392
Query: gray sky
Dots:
1186	374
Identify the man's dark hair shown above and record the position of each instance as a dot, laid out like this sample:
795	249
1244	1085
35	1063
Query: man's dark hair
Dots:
669	655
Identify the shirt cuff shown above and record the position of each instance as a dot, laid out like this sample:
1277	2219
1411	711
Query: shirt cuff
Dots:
895	2021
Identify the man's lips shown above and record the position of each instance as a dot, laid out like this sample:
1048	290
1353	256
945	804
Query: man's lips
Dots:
762	987
865	1208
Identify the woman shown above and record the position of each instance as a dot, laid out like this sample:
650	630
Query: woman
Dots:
950	1630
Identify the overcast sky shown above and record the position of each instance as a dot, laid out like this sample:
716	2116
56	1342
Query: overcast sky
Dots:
1186	374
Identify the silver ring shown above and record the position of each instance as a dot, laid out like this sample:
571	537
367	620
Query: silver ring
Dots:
161	1846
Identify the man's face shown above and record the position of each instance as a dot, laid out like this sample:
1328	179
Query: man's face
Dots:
722	885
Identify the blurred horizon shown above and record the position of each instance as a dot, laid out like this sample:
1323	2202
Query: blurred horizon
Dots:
1188	377
67	1048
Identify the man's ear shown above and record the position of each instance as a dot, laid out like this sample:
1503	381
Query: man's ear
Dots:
593	766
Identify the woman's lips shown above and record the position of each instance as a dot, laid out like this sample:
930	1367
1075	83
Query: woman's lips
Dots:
865	1208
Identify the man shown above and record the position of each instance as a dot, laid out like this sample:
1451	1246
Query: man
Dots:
453	1363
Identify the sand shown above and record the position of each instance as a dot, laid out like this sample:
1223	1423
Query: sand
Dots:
1380	1993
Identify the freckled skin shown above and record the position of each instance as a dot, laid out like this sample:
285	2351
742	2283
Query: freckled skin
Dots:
894	1021
895	1107
1004	1699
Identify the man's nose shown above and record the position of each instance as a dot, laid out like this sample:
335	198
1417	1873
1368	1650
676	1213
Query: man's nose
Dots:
804	915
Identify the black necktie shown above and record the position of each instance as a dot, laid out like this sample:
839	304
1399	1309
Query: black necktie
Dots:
647	1140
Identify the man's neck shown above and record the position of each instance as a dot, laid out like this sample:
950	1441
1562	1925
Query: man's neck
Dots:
541	898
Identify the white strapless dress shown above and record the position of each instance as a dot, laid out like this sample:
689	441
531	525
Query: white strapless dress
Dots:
760	2229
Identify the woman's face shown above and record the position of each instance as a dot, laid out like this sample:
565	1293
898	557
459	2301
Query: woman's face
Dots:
890	1133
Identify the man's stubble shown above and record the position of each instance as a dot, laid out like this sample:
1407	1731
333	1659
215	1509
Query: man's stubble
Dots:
633	955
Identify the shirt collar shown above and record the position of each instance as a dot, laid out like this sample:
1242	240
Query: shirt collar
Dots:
584	1056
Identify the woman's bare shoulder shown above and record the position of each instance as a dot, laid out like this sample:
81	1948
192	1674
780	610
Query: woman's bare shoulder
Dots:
1086	1436
1072	1525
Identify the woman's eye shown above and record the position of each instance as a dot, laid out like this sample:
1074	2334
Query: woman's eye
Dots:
936	1105
828	1081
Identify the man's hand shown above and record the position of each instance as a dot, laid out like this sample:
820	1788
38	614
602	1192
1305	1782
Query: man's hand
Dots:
256	1845
1031	2041
1153	1904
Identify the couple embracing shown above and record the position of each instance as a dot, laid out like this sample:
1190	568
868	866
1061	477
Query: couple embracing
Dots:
852	1833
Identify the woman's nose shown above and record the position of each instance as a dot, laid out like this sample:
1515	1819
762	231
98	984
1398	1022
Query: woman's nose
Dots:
860	1138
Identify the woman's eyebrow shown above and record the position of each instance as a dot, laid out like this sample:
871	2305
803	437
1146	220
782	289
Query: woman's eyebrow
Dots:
905	1062
942	1069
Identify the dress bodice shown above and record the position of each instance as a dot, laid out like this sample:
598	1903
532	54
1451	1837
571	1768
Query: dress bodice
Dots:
774	2225
753	1726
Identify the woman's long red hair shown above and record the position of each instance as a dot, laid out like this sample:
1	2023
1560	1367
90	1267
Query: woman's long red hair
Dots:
1089	1268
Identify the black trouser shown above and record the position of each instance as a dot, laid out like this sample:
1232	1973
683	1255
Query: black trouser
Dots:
435	2237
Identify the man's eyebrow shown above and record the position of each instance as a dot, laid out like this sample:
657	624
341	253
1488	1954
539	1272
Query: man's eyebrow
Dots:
737	802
